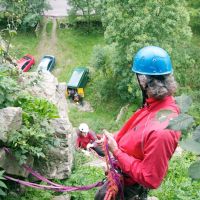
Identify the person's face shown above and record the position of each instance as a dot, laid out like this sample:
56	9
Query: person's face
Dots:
84	134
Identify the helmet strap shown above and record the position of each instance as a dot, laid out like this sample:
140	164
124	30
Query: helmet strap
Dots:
144	92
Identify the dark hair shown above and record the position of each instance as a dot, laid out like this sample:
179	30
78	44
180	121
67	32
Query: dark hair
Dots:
161	86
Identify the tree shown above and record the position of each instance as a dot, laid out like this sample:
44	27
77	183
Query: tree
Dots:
194	9
133	24
18	14
85	8
22	13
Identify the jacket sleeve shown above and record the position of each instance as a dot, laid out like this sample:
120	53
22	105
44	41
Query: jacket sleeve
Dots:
158	149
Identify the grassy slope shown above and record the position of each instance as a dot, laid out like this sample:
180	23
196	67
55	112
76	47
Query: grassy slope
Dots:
177	185
24	43
76	48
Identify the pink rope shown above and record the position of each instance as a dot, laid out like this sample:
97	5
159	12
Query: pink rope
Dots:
60	188
114	173
38	176
52	185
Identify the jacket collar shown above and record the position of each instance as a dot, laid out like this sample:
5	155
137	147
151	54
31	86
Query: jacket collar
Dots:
151	102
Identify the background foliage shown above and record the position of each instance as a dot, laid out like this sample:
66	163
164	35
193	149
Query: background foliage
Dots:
23	14
194	9
131	25
84	13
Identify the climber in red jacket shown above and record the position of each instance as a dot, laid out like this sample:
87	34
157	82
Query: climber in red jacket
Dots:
144	145
87	139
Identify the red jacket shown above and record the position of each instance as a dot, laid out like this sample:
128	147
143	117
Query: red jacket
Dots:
82	141
145	146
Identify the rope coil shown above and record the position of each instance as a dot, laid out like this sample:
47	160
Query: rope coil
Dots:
114	179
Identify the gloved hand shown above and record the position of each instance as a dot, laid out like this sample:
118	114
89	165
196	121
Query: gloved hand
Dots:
87	153
89	146
112	144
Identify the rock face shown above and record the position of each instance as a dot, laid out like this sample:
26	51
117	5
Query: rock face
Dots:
46	85
14	168
60	158
62	197
10	120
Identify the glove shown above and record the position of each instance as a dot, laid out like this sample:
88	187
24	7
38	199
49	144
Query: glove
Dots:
112	144
89	146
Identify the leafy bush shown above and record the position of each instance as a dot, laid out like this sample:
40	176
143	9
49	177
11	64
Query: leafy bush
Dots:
105	79
33	141
35	109
35	135
194	9
23	14
9	88
100	57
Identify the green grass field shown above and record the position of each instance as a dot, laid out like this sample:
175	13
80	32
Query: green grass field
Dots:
24	43
76	48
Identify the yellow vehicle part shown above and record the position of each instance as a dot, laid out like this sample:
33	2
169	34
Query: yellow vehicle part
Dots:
80	92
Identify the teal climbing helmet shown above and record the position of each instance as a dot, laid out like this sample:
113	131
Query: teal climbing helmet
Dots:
152	60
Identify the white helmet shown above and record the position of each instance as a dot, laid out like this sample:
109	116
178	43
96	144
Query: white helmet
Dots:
83	127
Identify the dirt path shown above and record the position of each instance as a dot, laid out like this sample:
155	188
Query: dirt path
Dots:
47	45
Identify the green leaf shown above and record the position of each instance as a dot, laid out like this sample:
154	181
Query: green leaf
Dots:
3	185
196	134
191	145
184	102
2	172
162	115
182	122
194	170
2	193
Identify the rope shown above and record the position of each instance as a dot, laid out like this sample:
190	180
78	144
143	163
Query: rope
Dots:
52	186
60	188
115	179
